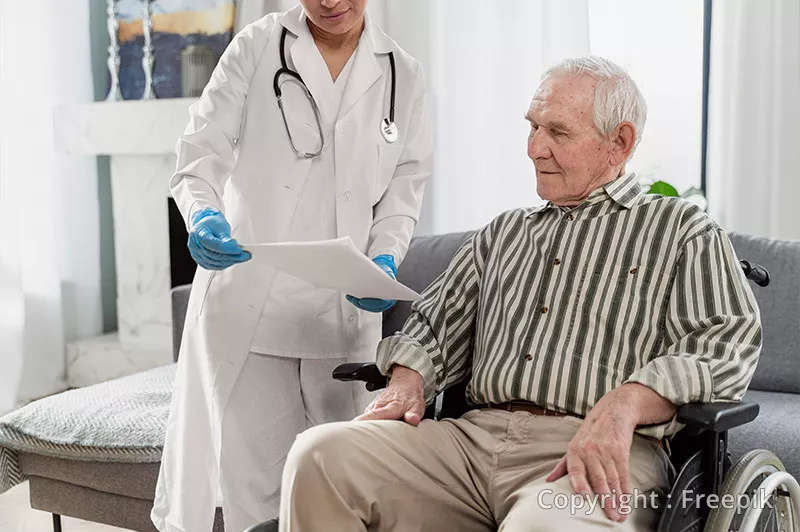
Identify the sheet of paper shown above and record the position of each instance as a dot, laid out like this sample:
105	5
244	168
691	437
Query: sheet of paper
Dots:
334	264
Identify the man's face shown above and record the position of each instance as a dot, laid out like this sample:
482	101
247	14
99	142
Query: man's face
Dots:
572	158
335	16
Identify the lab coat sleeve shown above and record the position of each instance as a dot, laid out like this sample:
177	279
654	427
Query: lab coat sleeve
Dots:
206	152
397	212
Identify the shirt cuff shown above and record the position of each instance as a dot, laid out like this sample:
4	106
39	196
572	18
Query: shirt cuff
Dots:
403	351
679	379
662	430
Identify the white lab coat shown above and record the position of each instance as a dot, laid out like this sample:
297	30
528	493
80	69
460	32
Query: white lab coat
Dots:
235	155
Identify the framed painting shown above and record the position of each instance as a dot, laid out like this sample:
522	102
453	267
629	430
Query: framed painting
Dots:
177	24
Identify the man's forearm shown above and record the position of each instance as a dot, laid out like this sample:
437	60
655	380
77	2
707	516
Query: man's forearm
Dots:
647	406
407	374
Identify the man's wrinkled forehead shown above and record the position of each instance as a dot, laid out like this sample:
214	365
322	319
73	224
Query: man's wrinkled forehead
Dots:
564	95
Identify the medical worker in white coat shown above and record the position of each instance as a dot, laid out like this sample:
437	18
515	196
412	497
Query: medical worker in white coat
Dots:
259	346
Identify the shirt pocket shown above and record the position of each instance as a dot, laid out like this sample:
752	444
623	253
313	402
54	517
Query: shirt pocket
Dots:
621	284
622	306
388	159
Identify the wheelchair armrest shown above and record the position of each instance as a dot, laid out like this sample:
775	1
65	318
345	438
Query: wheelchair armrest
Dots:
361	371
717	417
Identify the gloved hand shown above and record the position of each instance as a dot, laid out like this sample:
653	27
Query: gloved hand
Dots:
386	262
210	242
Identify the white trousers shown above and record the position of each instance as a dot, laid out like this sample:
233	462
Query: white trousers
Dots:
273	401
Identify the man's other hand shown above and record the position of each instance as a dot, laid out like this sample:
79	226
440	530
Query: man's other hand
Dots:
598	457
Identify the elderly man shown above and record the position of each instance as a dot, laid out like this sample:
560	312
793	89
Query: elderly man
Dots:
581	325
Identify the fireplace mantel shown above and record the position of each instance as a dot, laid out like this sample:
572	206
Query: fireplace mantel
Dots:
140	138
134	127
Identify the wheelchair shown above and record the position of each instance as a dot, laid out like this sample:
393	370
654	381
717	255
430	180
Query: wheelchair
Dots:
709	493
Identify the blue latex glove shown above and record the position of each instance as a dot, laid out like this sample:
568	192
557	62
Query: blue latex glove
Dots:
386	262
210	242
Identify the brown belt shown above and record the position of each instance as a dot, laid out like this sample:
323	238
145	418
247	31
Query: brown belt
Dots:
536	410
525	406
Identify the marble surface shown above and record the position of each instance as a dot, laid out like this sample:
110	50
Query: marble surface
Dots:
140	137
133	127
139	192
105	358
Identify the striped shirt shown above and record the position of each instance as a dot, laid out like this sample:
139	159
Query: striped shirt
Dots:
560	306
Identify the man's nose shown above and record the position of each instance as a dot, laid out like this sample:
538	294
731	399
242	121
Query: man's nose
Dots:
330	4
537	146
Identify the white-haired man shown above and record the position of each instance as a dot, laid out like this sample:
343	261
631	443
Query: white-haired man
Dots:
582	325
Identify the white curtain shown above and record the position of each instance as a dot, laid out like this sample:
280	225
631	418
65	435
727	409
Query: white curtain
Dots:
754	117
49	235
484	59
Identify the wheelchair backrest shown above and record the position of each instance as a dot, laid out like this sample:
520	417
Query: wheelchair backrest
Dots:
427	258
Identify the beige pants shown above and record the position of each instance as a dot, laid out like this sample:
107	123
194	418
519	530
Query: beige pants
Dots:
479	473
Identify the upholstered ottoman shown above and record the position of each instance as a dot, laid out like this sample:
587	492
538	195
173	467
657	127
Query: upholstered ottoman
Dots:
92	453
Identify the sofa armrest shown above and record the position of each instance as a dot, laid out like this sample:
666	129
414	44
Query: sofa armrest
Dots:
180	302
717	417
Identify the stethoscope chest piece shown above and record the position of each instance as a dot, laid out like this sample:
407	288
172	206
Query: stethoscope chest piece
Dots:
389	130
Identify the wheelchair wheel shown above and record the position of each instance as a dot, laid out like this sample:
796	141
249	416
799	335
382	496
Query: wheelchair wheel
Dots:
688	517
757	494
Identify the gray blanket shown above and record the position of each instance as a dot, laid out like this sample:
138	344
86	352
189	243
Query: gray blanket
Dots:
123	420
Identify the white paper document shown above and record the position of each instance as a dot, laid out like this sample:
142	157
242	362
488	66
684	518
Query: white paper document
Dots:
335	264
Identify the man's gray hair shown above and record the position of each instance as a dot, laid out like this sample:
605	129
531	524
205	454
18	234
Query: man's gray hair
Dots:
617	98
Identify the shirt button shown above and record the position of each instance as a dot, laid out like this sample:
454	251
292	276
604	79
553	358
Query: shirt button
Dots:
347	196
634	270
557	262
571	217
528	358
351	319
544	310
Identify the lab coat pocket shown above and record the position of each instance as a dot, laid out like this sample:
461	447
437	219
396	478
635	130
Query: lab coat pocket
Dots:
388	158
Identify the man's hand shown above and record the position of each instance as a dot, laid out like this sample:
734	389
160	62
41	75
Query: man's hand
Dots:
404	398
598	457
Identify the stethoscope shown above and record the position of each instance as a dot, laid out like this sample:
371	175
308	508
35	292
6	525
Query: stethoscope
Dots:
387	126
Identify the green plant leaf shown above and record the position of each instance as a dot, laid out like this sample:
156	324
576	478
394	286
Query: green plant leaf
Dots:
665	189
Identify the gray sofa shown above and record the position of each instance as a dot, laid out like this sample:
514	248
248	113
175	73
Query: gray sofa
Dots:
121	494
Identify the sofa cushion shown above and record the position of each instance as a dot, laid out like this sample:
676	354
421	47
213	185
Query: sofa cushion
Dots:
775	429
427	257
779	366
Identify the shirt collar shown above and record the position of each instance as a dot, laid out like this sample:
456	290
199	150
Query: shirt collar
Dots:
624	190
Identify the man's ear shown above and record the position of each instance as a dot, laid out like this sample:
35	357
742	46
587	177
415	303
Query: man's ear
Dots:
622	141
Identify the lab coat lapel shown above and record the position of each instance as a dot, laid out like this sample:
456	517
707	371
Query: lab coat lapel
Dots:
366	71
306	59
